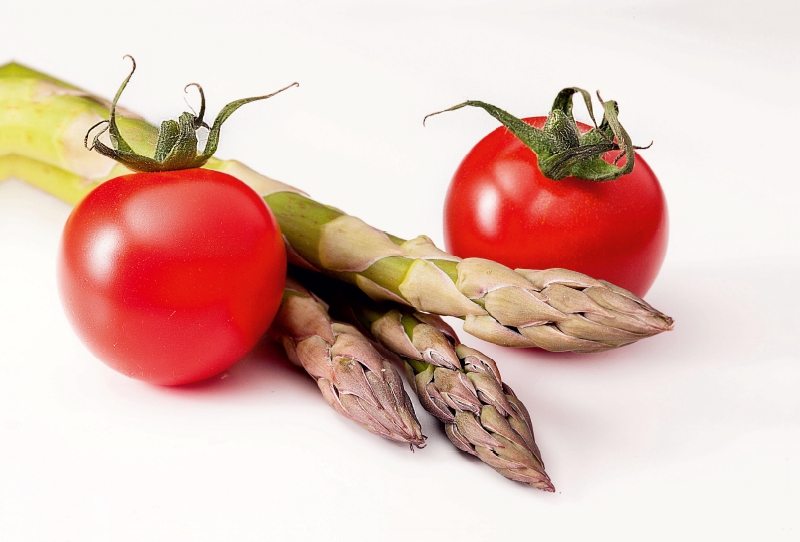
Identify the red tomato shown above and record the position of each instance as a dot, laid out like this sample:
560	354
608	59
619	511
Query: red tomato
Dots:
171	277
499	206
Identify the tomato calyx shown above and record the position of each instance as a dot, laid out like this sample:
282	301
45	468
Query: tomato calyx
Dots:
176	147
562	151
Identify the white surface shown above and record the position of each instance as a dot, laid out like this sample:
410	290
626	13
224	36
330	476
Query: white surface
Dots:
691	435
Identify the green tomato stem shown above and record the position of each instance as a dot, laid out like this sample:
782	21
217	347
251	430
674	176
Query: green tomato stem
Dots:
177	140
561	149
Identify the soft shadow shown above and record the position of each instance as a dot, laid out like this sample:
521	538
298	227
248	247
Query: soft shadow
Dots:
264	368
729	369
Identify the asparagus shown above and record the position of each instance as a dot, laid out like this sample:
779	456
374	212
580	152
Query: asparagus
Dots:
42	125
458	385
353	377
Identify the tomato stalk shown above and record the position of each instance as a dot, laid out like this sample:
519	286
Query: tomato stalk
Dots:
562	150
176	148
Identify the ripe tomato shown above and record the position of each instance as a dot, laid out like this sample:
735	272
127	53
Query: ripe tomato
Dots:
171	277
499	206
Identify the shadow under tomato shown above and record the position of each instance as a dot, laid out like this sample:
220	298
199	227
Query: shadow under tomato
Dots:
264	369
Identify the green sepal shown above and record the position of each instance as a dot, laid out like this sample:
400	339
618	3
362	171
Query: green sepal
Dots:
562	151
534	138
176	147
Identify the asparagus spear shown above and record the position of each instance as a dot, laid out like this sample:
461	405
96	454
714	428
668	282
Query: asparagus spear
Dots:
353	377
42	122
457	384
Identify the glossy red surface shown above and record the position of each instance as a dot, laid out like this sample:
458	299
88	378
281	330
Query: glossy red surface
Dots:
500	206
171	277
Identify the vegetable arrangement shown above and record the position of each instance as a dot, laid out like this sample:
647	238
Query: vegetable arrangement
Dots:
559	310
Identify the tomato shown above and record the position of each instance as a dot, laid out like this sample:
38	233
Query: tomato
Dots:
501	207
171	277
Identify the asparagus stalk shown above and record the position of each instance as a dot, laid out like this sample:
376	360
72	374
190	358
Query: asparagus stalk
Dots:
353	377
458	385
42	125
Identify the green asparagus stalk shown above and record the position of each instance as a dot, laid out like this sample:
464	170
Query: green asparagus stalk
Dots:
353	377
42	125
458	385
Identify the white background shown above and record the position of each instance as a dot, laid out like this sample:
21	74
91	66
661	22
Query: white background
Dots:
691	435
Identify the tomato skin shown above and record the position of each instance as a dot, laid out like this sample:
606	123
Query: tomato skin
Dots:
501	207
171	277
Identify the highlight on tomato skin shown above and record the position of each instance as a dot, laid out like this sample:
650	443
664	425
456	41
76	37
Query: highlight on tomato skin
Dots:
500	206
171	277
